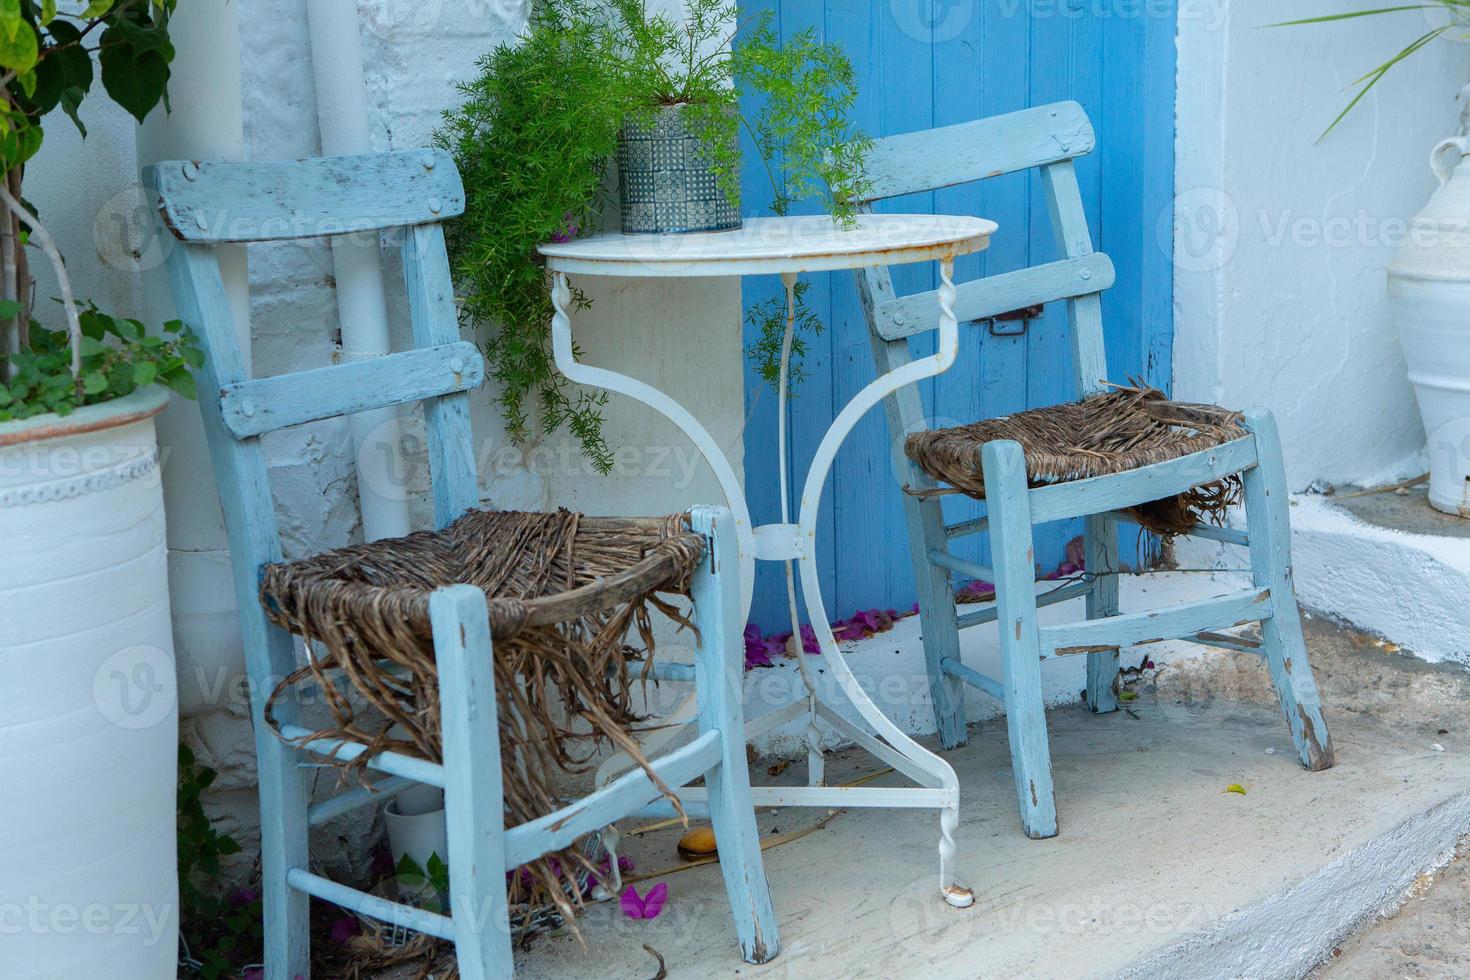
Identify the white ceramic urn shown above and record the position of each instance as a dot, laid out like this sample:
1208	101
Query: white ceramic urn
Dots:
88	705
1429	289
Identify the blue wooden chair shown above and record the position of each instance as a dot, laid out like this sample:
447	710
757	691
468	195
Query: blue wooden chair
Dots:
208	204
1070	461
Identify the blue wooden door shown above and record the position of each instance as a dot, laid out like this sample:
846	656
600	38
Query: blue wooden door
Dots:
925	63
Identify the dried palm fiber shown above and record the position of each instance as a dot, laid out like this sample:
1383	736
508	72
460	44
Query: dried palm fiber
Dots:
565	590
1113	432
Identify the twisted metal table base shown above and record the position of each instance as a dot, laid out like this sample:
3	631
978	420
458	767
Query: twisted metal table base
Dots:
938	786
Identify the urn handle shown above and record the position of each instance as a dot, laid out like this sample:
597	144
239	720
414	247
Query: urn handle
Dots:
1443	165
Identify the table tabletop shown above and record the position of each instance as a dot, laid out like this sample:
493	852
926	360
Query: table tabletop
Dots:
790	244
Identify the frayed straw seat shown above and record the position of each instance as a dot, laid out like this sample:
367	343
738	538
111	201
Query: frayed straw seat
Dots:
1120	430
565	590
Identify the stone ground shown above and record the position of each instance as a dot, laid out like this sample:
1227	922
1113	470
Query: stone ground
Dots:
1405	510
1427	937
1151	848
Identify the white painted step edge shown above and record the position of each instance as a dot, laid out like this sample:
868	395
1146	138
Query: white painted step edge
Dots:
1291	932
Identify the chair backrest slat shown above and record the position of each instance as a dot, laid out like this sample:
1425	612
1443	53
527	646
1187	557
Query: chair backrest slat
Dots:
274	200
1084	313
239	467
208	204
252	408
979	299
1047	137
966	152
435	321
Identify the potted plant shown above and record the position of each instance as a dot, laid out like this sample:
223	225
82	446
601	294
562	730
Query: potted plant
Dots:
584	85
87	711
1429	277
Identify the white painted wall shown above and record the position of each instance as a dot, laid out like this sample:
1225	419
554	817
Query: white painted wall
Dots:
1281	245
684	336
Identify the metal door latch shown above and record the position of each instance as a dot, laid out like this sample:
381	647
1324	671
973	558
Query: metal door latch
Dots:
1014	322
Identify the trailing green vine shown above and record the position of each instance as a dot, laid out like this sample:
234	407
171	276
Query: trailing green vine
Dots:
222	933
117	358
539	124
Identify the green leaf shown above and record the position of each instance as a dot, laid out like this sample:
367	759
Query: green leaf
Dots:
48	11
18	50
9	308
144	372
1127	695
1235	788
71	102
91	346
10	18
94	382
1355	13
96	9
182	382
135	79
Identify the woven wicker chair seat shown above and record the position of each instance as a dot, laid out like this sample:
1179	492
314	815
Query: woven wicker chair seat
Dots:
565	591
1111	433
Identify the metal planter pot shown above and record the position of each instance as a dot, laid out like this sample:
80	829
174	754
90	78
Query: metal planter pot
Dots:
668	180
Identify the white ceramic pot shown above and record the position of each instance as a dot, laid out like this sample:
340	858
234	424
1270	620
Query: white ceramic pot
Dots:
88	706
1429	289
416	828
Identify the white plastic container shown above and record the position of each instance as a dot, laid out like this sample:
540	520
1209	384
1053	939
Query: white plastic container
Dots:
1429	287
415	823
88	706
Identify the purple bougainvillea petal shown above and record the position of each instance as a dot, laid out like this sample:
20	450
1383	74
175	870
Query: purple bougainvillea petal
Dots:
654	903
1077	552
644	907
632	903
345	928
761	649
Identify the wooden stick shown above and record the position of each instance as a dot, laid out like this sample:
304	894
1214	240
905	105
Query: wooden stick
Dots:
1401	485
63	278
677	822
775	840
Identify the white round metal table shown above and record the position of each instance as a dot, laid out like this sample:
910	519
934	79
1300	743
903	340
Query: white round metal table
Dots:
788	246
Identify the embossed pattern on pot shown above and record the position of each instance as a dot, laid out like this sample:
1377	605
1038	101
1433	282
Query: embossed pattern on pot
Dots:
668	180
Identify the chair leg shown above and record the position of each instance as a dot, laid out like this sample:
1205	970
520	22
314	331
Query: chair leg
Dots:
1101	546
474	802
284	797
718	671
283	846
937	618
1020	644
1266	507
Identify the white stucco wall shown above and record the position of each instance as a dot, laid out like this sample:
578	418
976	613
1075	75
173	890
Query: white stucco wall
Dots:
685	336
1281	243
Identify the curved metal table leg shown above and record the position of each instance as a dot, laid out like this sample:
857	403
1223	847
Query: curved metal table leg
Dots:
927	762
939	786
566	362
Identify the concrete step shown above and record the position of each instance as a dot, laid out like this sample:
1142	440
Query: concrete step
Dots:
1157	871
1387	563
